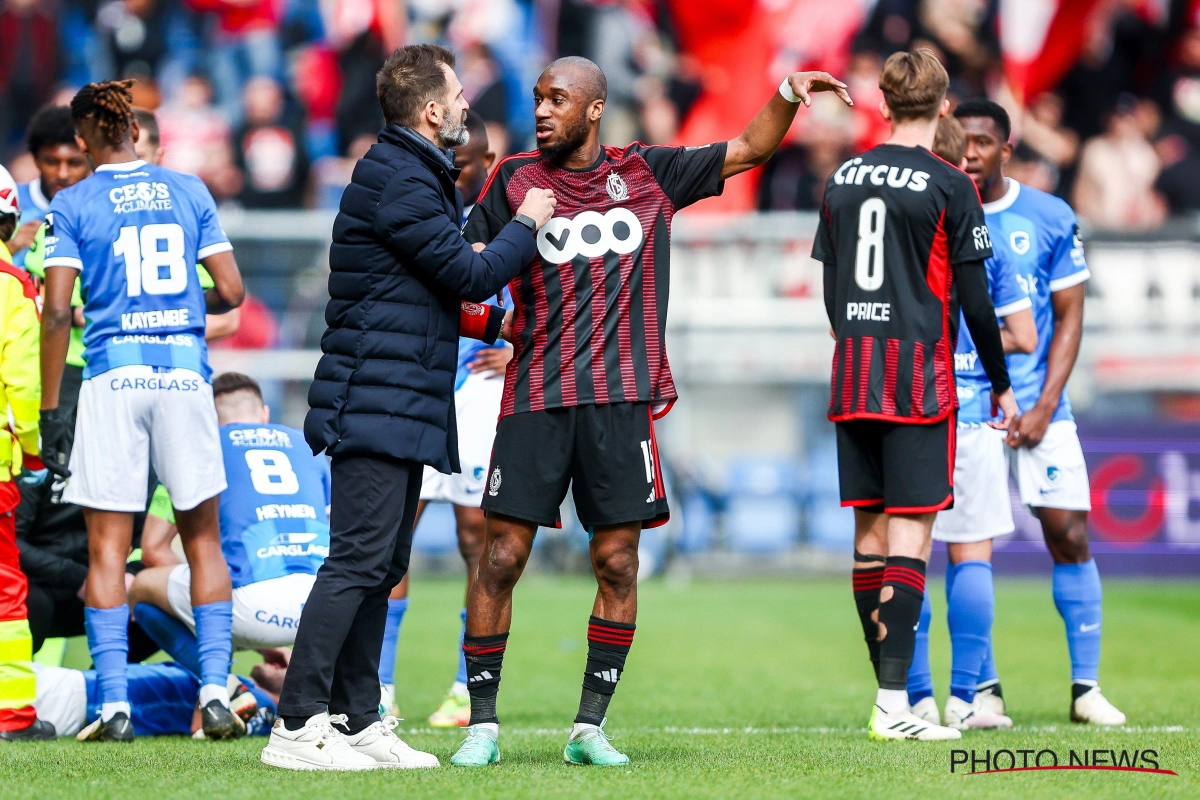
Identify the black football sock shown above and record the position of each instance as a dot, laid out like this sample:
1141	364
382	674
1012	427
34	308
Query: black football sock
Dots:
485	657
867	579
608	647
899	617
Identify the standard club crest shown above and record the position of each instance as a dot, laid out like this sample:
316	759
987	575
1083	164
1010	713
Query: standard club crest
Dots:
616	187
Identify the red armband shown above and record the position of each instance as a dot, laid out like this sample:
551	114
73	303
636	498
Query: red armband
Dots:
483	322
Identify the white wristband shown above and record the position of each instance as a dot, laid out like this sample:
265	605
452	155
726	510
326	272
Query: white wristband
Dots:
785	89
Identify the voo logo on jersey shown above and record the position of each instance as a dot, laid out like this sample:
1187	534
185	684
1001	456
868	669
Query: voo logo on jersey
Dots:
140	196
591	235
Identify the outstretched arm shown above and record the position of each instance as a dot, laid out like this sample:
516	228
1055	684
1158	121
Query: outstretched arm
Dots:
762	136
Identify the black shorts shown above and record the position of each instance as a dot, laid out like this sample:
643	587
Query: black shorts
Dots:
606	453
896	468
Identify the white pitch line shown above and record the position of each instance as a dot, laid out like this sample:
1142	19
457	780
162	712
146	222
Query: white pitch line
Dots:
819	731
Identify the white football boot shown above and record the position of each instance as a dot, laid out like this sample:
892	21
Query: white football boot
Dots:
963	716
905	725
316	746
989	701
927	710
380	742
1093	708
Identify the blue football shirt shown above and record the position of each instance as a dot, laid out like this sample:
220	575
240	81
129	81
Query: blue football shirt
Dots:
274	514
1041	235
135	232
1008	297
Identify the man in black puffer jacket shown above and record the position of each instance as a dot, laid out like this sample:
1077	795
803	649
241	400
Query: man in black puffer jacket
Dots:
382	402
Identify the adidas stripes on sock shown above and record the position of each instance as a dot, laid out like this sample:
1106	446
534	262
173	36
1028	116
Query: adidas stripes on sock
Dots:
485	657
899	617
608	647
867	581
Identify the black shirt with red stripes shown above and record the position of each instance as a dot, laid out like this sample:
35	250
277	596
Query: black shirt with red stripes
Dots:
902	234
591	309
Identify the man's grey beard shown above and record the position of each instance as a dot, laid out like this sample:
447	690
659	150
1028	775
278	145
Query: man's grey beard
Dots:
453	135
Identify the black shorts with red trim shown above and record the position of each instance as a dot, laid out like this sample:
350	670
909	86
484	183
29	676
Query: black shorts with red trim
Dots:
898	468
607	454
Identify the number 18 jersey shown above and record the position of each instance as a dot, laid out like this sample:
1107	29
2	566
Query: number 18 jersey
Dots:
135	232
893	222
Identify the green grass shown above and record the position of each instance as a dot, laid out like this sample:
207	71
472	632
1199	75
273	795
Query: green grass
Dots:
748	689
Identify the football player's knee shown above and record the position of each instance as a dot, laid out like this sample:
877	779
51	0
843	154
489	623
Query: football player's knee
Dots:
618	567
505	560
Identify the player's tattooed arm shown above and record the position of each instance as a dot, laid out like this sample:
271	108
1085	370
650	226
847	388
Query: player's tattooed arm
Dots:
1030	427
761	138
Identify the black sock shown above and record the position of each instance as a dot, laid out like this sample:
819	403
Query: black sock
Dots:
867	582
294	723
608	647
485	657
899	617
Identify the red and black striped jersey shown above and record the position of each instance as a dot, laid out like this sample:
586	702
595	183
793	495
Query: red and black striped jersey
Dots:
894	221
591	309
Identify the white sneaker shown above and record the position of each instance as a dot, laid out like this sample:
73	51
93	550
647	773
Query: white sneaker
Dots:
383	746
988	702
927	710
905	725
962	716
316	746
1094	709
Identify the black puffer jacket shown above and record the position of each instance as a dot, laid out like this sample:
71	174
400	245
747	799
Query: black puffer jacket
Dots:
398	271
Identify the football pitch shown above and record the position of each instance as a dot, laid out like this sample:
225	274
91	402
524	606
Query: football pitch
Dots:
734	689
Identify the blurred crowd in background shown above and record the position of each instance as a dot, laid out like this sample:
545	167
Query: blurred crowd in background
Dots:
271	101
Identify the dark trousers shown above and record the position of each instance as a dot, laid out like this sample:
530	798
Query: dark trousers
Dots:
335	662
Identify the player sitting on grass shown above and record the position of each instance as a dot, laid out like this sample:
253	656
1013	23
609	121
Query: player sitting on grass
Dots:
903	241
1041	236
981	505
133	233
478	387
274	531
162	697
590	372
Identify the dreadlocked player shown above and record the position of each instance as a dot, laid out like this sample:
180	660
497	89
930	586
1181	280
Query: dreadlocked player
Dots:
132	233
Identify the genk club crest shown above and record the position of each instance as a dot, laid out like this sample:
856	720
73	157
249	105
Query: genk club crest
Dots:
616	187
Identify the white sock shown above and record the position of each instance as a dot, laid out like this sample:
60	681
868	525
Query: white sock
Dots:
214	691
459	689
108	709
892	701
494	727
579	727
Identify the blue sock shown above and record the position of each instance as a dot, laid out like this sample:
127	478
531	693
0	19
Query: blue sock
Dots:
1077	595
461	677
214	630
171	635
971	608
920	678
391	640
108	640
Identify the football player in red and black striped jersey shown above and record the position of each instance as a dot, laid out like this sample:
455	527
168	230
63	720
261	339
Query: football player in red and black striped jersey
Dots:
903	240
590	372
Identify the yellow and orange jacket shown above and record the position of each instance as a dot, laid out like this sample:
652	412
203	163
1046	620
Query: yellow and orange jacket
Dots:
20	368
